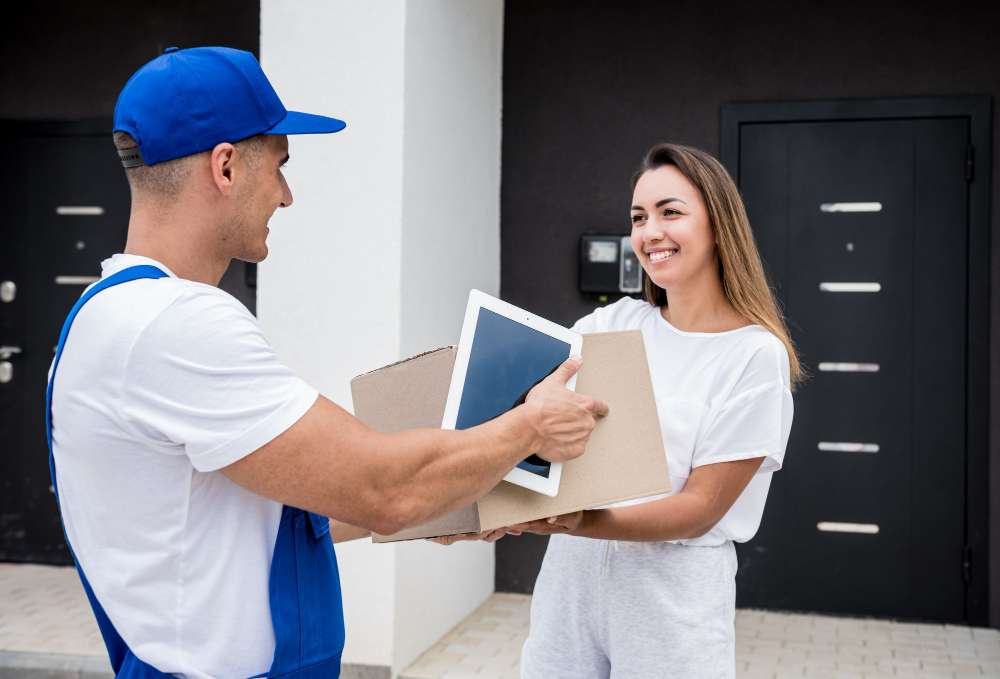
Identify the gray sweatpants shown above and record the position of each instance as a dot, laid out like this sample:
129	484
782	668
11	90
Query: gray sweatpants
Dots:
632	610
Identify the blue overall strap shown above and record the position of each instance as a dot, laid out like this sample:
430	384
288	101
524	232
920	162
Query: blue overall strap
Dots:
117	648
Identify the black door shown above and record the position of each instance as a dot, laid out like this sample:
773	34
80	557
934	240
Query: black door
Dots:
863	225
68	211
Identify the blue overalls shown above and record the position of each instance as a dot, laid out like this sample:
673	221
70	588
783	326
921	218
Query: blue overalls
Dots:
304	584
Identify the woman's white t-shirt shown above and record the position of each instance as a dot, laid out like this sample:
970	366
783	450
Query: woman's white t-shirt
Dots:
721	397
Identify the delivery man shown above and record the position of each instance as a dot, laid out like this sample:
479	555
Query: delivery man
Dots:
195	472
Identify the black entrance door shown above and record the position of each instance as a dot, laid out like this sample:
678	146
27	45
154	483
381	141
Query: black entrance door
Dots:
68	210
864	226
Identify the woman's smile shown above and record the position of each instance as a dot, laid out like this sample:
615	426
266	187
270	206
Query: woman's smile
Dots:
660	257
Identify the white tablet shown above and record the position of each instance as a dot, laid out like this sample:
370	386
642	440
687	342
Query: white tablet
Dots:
503	352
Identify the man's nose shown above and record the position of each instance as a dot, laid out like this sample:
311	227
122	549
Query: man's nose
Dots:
286	193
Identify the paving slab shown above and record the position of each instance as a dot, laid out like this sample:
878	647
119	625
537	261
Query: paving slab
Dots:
47	631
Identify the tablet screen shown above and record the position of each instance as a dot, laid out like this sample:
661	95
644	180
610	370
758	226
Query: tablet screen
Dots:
507	358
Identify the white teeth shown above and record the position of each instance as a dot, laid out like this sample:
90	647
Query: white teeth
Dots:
655	256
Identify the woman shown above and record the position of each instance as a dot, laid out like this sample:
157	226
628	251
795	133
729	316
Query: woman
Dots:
646	588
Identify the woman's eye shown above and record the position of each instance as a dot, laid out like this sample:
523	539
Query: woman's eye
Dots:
637	218
670	213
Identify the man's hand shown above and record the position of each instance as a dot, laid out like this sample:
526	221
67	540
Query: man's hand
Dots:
329	463
564	523
486	536
564	418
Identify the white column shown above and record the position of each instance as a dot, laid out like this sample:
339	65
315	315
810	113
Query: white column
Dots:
394	220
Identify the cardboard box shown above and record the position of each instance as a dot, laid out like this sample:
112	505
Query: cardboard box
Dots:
624	458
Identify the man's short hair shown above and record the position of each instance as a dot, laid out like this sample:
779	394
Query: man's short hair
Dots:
166	179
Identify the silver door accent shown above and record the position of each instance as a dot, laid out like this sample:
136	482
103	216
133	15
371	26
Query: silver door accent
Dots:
6	372
6	352
850	287
76	280
79	210
851	207
849	367
843	447
8	291
836	527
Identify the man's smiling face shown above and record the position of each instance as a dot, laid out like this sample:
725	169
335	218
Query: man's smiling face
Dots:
264	191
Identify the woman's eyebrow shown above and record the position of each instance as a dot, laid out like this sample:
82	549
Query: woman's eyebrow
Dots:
660	203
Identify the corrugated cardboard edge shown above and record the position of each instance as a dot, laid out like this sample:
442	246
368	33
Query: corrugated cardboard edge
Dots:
454	349
463	520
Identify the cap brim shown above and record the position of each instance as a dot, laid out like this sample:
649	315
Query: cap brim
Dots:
306	123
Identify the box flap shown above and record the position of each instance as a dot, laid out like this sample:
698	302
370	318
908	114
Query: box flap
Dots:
411	394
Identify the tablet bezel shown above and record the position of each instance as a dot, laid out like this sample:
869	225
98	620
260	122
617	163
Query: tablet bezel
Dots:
480	300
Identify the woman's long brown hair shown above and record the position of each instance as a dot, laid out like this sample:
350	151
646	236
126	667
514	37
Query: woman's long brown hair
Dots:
740	267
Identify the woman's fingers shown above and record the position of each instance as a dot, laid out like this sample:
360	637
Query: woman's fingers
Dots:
494	535
452	539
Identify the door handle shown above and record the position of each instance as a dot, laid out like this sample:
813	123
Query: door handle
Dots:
6	352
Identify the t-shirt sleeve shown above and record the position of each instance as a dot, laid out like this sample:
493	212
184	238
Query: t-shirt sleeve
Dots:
586	324
202	377
607	317
756	419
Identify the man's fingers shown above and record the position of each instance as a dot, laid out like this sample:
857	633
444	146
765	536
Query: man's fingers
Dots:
568	368
599	408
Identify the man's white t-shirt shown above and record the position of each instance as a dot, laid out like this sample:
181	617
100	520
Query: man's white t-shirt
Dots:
162	383
721	397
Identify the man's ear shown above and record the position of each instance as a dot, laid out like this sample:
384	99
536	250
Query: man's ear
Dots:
223	165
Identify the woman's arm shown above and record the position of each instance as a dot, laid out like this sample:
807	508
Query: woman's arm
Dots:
709	493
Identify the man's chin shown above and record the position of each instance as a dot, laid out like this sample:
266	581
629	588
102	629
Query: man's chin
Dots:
253	257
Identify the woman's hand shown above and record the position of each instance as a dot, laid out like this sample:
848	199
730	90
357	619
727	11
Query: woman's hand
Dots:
564	523
486	536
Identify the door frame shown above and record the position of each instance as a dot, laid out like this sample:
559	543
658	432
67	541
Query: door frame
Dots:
980	532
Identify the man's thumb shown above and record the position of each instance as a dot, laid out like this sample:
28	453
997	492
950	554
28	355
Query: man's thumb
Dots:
569	368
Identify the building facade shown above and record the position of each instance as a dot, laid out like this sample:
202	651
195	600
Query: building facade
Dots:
484	139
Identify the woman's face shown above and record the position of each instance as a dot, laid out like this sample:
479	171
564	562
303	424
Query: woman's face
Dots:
671	233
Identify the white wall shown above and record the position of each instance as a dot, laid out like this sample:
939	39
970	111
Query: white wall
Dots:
394	220
451	180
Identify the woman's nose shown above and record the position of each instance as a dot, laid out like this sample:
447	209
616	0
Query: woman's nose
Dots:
652	232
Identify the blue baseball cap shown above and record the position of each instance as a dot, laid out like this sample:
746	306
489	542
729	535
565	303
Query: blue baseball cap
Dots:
187	101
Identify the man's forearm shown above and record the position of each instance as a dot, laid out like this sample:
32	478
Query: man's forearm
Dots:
430	472
331	463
